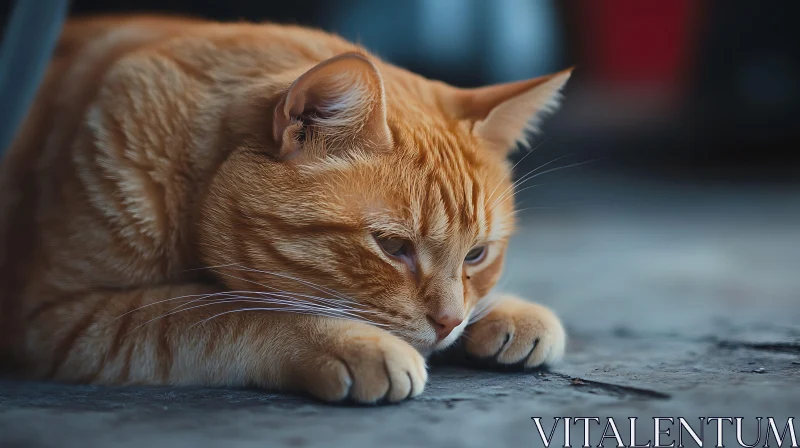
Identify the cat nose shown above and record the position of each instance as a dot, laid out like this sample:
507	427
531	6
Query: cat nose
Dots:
444	325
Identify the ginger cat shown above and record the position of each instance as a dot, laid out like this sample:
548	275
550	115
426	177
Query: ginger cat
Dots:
191	202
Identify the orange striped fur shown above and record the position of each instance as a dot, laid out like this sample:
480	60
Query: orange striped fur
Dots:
175	174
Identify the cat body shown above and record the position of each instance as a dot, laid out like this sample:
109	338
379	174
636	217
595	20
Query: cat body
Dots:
191	202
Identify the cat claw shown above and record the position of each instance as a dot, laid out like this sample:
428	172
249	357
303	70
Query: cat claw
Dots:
517	332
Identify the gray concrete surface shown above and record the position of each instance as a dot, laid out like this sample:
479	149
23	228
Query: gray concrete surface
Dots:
685	306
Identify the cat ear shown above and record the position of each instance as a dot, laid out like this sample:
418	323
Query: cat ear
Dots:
502	113
339	98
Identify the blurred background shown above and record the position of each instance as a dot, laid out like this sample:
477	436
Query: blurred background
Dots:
674	90
679	131
678	228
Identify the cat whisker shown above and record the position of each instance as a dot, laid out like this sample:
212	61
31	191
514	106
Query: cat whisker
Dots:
325	301
304	305
239	310
524	178
515	165
168	313
483	308
285	298
283	306
209	267
200	297
305	282
278	290
520	210
572	165
345	301
311	305
512	194
187	296
466	337
505	194
276	274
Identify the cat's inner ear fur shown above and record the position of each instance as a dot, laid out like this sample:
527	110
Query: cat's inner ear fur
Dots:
340	100
502	114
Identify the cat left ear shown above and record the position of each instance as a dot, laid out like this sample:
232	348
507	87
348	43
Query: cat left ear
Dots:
501	114
339	98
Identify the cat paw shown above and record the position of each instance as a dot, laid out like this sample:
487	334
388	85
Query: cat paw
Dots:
517	332
368	366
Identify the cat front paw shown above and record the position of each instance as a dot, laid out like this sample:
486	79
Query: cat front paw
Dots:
366	366
517	332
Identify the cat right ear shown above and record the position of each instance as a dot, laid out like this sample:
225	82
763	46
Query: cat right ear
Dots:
502	114
339	99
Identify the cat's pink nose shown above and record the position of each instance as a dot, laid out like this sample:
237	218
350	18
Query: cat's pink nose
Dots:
444	325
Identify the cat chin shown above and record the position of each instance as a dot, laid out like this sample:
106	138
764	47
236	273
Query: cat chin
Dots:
453	336
449	340
429	349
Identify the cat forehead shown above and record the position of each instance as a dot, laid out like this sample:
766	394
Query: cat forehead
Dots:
436	183
443	188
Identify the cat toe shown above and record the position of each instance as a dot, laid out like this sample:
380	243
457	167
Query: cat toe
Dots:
488	339
517	351
517	333
383	370
548	351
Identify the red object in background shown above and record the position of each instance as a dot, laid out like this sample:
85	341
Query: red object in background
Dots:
639	43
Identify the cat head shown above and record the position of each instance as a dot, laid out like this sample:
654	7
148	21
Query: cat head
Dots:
371	193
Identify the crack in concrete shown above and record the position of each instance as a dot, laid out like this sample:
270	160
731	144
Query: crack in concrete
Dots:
775	347
612	389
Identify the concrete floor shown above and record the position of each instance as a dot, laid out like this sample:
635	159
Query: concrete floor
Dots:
688	306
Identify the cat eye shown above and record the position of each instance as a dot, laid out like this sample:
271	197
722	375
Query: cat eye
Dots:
395	247
475	255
